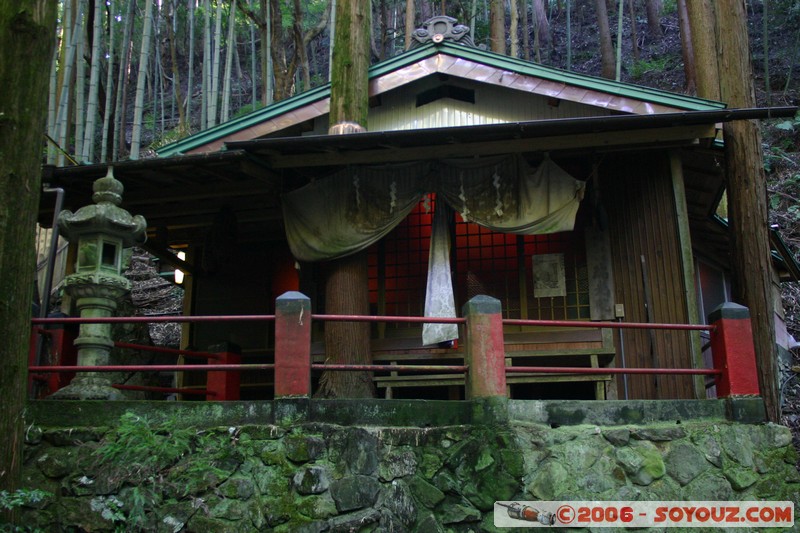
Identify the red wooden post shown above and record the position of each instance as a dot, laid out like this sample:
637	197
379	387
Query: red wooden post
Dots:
485	354
733	351
37	337
224	386
292	345
63	352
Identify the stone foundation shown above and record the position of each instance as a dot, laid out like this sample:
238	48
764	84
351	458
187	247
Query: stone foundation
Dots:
157	468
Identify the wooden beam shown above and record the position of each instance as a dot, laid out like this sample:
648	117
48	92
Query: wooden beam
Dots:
688	134
687	266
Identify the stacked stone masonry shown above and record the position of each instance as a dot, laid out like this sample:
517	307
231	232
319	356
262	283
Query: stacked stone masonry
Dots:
314	477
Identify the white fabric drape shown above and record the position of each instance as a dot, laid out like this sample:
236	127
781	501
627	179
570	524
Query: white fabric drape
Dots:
347	212
350	210
439	298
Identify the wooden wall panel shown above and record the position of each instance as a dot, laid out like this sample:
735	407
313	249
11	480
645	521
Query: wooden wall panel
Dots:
636	191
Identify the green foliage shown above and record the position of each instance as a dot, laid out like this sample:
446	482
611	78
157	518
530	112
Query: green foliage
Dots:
790	125
669	7
656	64
144	446
20	498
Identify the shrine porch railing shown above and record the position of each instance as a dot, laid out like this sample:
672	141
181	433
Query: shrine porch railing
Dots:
484	369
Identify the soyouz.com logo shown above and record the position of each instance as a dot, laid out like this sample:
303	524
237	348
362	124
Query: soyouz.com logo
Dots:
618	514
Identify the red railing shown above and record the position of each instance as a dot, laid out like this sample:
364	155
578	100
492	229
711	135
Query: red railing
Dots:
484	368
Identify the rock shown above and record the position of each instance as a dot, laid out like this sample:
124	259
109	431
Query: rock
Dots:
354	521
658	434
710	486
458	514
398	499
56	462
354	492
429	465
642	461
359	451
73	436
425	493
395	464
311	480
237	487
709	447
429	524
490	486
617	437
778	436
550	480
582	454
684	463
227	508
740	478
301	449
738	445
317	507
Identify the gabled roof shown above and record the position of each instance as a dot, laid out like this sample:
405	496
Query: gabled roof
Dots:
456	60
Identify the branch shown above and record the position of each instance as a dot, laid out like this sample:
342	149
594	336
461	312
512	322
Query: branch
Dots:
316	30
784	195
252	15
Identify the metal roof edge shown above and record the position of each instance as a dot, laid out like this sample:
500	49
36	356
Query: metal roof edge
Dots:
254	117
779	250
584	80
473	54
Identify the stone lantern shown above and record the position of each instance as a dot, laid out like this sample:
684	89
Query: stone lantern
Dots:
102	232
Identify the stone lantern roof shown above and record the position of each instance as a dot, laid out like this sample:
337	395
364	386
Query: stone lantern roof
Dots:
105	216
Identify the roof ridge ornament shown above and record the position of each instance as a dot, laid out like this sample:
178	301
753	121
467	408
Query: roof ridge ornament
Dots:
441	28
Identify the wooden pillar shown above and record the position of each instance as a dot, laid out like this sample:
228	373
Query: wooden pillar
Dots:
224	386
733	350
687	267
485	354
292	345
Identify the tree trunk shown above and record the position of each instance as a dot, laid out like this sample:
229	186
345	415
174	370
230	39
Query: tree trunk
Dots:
704	46
606	49
26	39
513	29
122	85
653	8
80	79
620	13
214	87
231	44
689	71
346	288
542	24
497	27
94	84
141	78
177	92
526	45
747	198
107	111
765	43
190	74
634	33
410	22
205	87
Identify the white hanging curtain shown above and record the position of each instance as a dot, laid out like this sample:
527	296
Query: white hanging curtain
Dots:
347	212
439	298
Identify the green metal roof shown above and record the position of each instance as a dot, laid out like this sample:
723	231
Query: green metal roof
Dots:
410	57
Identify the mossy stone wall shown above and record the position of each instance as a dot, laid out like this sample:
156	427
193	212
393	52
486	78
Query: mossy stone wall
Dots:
148	473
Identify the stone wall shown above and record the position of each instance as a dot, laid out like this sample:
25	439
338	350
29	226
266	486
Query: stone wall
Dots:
156	472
